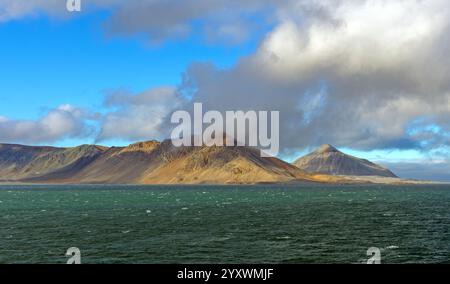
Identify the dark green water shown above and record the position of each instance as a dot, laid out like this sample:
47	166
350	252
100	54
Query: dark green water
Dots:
203	224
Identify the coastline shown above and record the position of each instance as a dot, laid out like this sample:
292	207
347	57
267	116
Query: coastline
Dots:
350	180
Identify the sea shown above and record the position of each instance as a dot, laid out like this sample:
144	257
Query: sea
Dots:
266	224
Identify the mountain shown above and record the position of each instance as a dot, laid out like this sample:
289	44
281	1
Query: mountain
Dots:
330	161
149	162
25	162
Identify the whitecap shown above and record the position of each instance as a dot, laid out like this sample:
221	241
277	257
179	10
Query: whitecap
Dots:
283	238
392	247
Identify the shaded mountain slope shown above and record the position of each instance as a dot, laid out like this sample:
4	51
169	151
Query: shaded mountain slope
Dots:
25	162
330	161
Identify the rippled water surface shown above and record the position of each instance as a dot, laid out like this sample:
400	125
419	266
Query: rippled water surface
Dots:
225	224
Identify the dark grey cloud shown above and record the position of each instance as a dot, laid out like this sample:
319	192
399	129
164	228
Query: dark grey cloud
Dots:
230	21
224	21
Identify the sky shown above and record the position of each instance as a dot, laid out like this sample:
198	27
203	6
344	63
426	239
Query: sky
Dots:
371	77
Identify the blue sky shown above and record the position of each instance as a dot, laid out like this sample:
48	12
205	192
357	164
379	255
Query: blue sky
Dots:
367	77
48	62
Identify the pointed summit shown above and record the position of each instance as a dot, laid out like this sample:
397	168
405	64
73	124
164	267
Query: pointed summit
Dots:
326	148
329	160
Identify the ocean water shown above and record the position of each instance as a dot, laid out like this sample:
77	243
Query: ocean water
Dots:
225	224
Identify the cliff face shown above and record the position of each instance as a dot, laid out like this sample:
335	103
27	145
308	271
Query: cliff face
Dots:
330	161
143	163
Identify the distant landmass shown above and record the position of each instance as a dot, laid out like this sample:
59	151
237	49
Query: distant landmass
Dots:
330	161
154	162
149	162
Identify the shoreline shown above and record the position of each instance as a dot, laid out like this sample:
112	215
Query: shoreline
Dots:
354	182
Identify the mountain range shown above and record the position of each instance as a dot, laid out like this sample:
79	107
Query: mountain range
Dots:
154	162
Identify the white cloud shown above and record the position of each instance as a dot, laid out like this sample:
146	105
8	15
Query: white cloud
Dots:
137	117
15	9
63	122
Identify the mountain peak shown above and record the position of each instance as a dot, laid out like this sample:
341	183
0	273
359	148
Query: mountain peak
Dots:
328	160
146	147
326	148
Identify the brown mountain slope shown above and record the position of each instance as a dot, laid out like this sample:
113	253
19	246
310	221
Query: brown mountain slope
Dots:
223	165
330	161
144	163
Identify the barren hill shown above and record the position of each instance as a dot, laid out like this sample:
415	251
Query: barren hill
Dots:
330	161
149	162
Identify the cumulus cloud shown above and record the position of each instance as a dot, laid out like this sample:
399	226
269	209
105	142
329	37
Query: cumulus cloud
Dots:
66	121
137	117
126	117
352	73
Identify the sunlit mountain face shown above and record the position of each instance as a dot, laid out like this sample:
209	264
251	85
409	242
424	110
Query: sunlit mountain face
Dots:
369	77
